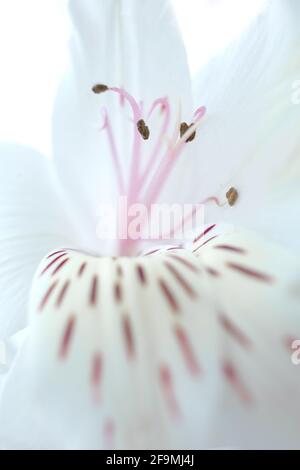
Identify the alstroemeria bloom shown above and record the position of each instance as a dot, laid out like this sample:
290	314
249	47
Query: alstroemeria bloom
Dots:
188	347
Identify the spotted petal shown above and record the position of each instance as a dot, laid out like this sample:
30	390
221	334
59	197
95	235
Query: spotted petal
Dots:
174	349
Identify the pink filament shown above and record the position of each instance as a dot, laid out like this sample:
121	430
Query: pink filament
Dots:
169	156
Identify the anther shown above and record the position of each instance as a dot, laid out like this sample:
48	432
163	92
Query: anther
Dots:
143	129
232	196
99	88
184	127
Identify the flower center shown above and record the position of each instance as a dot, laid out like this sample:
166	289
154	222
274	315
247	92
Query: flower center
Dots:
162	158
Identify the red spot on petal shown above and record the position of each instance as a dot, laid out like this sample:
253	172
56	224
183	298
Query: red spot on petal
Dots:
47	295
206	231
234	331
187	350
233	378
67	337
82	269
62	293
128	335
52	263
182	281
169	295
60	266
250	272
166	381
94	291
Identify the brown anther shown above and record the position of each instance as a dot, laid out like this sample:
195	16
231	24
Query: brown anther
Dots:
184	127
99	88
143	129
232	196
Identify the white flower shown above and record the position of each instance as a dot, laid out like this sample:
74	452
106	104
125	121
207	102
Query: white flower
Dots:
188	347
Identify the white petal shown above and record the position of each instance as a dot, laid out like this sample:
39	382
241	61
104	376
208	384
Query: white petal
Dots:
171	350
32	221
131	44
251	139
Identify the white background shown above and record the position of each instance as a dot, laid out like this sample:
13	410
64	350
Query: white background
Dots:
33	52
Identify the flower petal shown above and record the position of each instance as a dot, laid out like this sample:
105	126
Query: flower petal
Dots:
250	139
128	44
170	350
32	221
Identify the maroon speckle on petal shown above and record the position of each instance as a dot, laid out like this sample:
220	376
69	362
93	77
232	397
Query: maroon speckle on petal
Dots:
288	342
62	293
185	262
52	263
182	281
187	351
128	335
169	296
66	338
47	295
206	231
213	272
141	274
232	376
234	331
94	291
119	271
60	266
109	434
151	252
56	253
82	269
118	292
168	390
96	372
232	248
205	243
250	272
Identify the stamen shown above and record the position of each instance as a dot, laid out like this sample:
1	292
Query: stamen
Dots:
143	129
99	88
183	128
232	196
